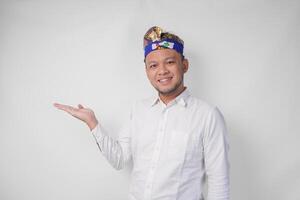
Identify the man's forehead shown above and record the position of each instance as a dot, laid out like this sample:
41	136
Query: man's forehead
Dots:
162	54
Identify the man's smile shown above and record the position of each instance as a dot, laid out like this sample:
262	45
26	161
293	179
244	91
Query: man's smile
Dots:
165	80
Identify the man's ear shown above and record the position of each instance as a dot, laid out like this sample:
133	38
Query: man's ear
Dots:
185	63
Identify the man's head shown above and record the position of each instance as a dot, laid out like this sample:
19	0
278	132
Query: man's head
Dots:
164	61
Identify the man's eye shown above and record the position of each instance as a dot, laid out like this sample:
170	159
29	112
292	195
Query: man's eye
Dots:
152	66
170	62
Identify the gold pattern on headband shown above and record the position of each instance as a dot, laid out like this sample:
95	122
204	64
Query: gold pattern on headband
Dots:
154	34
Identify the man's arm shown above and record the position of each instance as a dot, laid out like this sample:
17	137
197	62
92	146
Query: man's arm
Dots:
117	152
216	156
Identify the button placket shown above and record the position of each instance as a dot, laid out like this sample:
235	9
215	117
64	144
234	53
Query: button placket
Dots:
156	154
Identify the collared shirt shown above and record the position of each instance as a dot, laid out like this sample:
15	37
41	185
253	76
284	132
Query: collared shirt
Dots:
173	147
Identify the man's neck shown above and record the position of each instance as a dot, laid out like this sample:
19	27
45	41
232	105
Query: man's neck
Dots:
166	98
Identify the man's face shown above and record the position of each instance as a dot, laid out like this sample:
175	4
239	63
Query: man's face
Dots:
165	69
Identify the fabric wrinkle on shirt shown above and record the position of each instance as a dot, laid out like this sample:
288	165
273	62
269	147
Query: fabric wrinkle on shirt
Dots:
172	147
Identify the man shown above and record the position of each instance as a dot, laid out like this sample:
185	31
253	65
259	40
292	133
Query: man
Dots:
174	139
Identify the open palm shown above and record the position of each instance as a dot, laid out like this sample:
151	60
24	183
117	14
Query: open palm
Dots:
84	114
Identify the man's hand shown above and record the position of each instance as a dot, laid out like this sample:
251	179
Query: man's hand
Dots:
84	114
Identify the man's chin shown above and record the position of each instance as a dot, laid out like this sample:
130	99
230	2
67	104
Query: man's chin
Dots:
166	91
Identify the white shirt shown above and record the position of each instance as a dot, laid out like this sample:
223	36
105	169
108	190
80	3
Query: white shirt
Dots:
172	148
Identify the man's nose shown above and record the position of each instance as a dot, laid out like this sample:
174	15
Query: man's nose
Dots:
163	70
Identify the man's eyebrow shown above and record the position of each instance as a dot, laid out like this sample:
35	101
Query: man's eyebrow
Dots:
172	57
151	62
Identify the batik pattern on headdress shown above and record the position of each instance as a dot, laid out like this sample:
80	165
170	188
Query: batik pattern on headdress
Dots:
156	39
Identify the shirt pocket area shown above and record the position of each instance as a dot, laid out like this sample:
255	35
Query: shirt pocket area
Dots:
184	146
177	145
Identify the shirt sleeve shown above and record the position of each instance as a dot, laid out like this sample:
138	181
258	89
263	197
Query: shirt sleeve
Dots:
117	152
216	156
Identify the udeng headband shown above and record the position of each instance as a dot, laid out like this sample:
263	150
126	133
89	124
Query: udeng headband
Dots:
167	43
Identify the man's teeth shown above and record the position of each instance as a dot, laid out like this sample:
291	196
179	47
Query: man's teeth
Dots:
164	80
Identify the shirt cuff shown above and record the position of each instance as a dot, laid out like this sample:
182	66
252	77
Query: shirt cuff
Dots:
97	133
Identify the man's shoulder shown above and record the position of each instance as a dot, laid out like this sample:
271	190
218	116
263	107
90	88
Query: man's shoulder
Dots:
200	104
207	111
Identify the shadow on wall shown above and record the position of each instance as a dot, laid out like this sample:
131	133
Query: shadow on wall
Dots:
250	178
243	167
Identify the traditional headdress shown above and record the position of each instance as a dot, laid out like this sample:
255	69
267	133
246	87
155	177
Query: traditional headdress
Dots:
155	39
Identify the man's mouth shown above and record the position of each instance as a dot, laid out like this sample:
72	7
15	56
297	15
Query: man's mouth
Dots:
165	80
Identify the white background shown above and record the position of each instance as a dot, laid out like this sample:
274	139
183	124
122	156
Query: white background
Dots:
244	58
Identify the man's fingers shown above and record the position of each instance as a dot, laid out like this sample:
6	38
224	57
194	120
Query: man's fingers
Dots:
84	114
60	106
66	108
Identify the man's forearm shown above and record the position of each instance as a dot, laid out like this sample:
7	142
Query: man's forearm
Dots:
110	148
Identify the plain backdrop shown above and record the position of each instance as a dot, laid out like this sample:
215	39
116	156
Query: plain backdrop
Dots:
244	58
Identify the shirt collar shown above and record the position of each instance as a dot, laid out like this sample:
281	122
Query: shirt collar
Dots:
181	99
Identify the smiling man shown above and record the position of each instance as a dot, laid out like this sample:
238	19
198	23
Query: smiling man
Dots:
176	141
